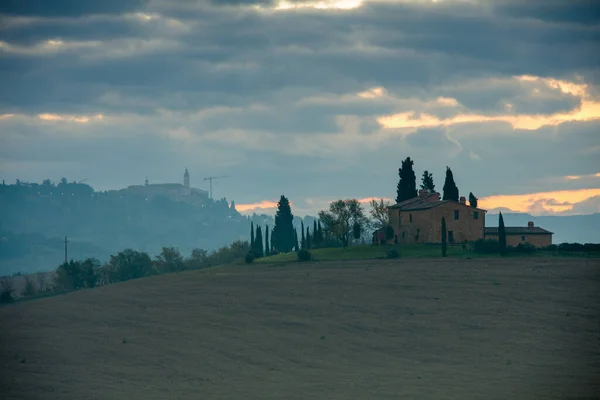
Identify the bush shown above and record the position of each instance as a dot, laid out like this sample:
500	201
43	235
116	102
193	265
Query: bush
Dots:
250	256
6	290
486	246
303	255
392	253
526	248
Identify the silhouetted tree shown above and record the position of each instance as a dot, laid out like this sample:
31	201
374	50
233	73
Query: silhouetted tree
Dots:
315	235
308	238
303	239
427	182
252	236
407	185
344	218
444	239
501	235
450	189
258	243
267	245
284	233
472	200
380	213
320	234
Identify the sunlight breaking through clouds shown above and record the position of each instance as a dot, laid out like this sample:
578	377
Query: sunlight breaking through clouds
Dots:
588	110
81	119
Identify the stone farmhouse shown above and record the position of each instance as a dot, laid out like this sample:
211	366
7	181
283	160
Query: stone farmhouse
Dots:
531	234
418	220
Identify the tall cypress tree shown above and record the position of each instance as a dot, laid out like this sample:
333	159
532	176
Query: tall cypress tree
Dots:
273	247
303	240
308	238
284	232
252	235
450	189
501	234
315	235
444	240
258	243
267	245
407	185
427	181
296	247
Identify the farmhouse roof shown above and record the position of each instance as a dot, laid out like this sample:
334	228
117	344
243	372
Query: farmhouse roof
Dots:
519	230
425	202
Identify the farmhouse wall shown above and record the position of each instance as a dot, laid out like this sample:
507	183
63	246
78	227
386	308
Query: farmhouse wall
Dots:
425	226
535	240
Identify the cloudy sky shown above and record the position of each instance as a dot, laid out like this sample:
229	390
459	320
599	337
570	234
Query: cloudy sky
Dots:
315	100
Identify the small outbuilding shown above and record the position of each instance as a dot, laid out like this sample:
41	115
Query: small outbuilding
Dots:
531	234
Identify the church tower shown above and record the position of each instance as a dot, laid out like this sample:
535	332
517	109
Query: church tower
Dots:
186	179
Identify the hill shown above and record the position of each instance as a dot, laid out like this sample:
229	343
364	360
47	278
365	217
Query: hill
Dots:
425	329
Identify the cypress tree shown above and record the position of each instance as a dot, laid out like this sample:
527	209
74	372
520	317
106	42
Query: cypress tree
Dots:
407	185
472	200
273	247
258	243
315	236
303	240
284	231
501	235
450	189
252	235
308	238
444	240
427	181
267	246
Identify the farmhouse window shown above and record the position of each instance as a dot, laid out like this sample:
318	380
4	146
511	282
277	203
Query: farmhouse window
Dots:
476	215
451	236
410	217
522	238
455	214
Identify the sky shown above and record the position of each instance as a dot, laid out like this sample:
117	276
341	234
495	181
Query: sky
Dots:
316	100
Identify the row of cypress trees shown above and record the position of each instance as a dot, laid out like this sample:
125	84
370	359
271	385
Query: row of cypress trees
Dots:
407	185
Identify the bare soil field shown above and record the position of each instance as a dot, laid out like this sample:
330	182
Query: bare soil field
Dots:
526	328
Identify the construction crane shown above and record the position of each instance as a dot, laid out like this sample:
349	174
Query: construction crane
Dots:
210	179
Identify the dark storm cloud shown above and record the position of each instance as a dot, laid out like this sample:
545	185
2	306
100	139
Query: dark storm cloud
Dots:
572	11
415	47
70	8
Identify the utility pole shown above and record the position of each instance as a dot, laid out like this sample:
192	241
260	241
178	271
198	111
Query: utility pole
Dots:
66	249
210	179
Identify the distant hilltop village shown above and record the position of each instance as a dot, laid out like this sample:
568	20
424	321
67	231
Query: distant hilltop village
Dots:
175	191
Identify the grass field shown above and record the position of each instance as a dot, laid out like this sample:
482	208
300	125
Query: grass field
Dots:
522	328
365	252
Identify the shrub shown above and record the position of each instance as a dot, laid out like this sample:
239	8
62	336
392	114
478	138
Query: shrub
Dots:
6	290
392	253
486	246
303	255
250	256
389	232
524	248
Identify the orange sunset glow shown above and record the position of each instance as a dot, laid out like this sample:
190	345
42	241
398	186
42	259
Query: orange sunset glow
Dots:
554	202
